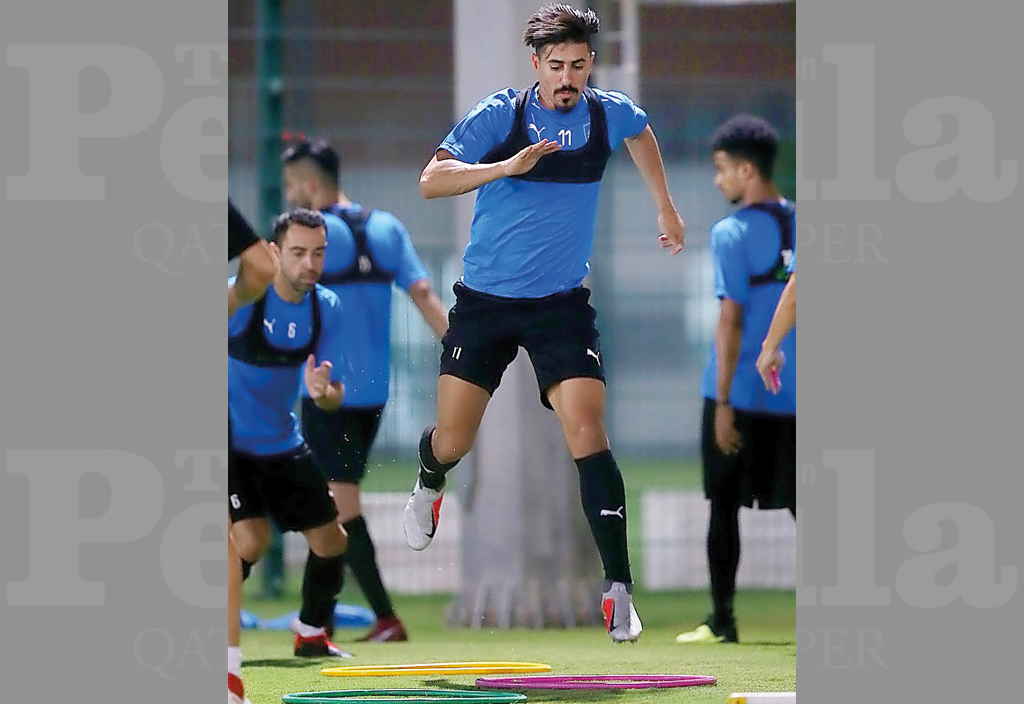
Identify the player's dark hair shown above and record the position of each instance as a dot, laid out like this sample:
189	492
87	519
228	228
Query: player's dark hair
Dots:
298	216
323	156
559	23
751	138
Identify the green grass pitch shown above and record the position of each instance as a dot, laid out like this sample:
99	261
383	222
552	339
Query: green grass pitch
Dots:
764	660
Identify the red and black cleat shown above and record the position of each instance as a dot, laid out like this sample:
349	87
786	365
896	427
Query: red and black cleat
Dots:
386	630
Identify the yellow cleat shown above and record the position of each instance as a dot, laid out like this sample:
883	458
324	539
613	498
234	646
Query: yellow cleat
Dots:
701	634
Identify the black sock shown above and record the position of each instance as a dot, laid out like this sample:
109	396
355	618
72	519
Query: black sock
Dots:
604	503
246	569
362	560
321	583
431	470
723	555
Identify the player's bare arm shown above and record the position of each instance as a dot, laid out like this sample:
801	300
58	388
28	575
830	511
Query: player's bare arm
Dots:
326	394
783	321
644	151
728	334
430	307
257	266
446	176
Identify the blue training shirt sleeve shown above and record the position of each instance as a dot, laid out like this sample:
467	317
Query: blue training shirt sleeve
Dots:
626	119
410	267
483	128
731	277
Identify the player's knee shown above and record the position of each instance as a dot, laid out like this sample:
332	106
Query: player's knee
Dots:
451	445
251	545
586	437
328	540
336	543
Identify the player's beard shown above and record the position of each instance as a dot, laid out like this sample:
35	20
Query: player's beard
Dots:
301	286
566	107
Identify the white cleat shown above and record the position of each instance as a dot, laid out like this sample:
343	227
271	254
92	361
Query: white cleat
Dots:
620	617
422	514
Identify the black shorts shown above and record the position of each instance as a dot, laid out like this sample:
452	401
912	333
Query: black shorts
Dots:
231	448
340	440
765	467
485	333
288	487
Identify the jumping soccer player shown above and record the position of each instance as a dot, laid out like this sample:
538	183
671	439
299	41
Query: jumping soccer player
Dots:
536	159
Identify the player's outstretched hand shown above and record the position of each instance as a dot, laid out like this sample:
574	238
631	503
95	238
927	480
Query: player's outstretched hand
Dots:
529	156
318	378
673	232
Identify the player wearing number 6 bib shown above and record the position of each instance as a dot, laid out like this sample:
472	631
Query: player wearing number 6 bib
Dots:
273	347
369	252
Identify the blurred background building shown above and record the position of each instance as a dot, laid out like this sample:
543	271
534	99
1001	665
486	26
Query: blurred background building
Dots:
375	78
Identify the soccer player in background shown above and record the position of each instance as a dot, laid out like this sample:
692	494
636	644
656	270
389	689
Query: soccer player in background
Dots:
536	159
273	347
369	251
748	435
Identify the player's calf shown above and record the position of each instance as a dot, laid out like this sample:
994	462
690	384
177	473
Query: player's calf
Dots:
423	511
